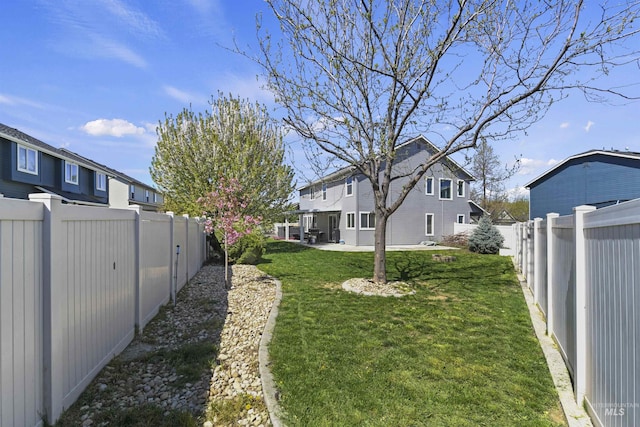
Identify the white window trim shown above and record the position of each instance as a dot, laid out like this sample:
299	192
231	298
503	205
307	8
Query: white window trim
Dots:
312	193
440	189
346	186
67	178
458	187
352	227
99	186
26	170
155	197
426	224
146	196
132	191
368	213
426	187
464	219
324	191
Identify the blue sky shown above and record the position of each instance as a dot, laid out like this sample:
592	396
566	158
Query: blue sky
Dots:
97	76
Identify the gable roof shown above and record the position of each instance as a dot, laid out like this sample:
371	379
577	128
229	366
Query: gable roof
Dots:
348	170
22	138
612	153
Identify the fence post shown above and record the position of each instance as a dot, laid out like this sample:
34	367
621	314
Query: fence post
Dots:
551	217
186	248
137	255
173	285
537	255
581	301
54	292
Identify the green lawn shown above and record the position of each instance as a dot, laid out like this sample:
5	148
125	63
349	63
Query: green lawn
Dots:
460	352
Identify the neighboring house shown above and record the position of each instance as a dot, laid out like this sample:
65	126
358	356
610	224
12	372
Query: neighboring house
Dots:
597	177
340	206
125	191
502	217
28	165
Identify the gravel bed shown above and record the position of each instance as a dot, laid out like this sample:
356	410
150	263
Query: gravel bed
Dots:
206	315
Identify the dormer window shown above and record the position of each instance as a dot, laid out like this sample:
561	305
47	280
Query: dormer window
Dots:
27	160
349	186
146	195
132	190
70	173
101	181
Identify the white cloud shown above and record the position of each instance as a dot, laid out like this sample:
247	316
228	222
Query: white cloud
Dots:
136	21
564	125
184	96
112	127
552	162
517	193
250	87
528	166
112	49
587	128
14	100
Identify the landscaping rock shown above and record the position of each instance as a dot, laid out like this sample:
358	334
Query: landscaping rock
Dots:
206	312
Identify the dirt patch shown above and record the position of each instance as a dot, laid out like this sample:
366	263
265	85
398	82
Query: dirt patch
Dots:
369	287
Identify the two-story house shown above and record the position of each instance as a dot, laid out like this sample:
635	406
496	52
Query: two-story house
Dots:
340	206
28	165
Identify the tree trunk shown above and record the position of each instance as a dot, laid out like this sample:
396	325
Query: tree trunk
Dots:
380	246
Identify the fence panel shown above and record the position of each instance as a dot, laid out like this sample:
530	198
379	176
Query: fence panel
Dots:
531	238
613	314
564	289
98	285
540	267
21	314
155	265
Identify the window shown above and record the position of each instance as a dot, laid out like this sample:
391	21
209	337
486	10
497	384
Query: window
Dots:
460	188
460	219
101	181
324	191
428	186
367	220
132	190
146	195
312	192
445	188
351	220
70	173
309	222
349	186
155	197
428	224
27	160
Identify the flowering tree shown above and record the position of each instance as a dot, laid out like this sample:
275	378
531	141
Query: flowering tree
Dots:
224	210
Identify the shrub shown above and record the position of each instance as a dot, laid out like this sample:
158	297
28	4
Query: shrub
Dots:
248	250
460	240
485	239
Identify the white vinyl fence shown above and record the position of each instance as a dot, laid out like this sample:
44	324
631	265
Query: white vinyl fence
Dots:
584	273
75	282
507	232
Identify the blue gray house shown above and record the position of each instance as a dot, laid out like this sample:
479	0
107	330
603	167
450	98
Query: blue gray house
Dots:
28	165
597	177
340	206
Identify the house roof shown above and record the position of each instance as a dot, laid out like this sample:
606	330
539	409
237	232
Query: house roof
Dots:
350	169
611	153
81	199
19	137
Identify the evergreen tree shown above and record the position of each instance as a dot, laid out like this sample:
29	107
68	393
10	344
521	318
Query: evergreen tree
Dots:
486	239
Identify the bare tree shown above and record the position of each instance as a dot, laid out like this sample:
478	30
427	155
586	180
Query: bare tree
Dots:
490	176
358	77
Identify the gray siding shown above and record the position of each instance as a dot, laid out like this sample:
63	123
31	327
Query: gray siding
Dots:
407	224
597	180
